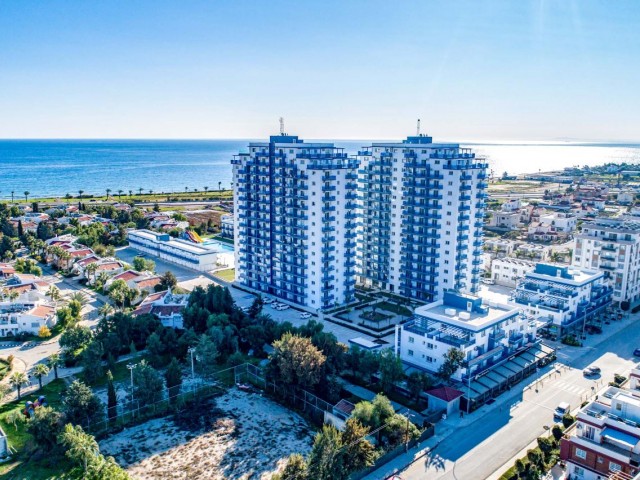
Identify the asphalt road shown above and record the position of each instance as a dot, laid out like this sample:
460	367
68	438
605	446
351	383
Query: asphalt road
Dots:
479	449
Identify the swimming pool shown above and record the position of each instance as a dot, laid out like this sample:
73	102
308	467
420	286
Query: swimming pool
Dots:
217	245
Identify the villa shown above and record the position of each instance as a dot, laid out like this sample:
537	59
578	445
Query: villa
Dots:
167	306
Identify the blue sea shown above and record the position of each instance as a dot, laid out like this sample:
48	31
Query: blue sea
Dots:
58	167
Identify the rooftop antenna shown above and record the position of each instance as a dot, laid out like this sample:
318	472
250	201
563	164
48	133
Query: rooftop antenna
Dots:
418	128
281	126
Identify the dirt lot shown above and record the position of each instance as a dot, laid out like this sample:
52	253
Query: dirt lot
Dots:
250	439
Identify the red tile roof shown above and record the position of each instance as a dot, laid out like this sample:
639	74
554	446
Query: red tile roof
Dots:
43	311
126	276
109	266
148	282
447	394
166	310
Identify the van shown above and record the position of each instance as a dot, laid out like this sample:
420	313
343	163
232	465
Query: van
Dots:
561	410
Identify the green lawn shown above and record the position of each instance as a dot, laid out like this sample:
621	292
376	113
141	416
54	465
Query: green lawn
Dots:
228	275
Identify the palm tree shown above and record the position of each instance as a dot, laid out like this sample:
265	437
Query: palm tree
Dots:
12	193
26	196
105	310
206	189
119	194
108	192
130	192
68	197
53	293
81	446
220	186
91	270
39	371
13	294
150	192
80	192
54	361
17	380
140	191
186	189
79	297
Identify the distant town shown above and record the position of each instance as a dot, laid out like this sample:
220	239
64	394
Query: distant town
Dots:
397	313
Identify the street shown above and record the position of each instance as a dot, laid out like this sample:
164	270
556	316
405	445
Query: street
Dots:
480	444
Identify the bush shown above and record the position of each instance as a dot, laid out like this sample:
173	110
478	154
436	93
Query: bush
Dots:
572	341
567	420
44	332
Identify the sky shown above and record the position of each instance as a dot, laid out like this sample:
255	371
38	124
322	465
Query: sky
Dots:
481	70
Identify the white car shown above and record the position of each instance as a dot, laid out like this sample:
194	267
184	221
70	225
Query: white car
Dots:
305	315
267	300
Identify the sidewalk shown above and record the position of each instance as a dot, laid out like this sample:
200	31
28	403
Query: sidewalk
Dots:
444	428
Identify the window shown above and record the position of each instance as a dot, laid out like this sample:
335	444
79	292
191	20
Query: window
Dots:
614	467
581	453
578	471
410	352
412	340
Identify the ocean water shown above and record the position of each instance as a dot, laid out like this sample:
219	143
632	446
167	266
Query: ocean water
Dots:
58	167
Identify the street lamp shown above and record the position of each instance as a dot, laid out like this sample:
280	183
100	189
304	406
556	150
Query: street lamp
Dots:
131	367
406	433
191	352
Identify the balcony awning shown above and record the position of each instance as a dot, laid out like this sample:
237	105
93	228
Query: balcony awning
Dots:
619	437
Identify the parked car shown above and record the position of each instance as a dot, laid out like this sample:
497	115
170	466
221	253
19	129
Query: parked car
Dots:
636	352
561	410
267	300
305	315
590	371
488	281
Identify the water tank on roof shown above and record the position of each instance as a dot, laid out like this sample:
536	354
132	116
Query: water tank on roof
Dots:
450	311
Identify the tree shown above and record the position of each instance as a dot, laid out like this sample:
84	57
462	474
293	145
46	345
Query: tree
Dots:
39	371
102	468
76	338
45	426
17	380
325	461
54	361
453	359
417	383
44	332
105	310
141	264
373	414
147	384
295	469
92	361
155	349
207	353
557	432
119	292
4	391
112	398
26	196
81	447
173	377
520	467
81	405
256	307
297	361
168	281
391	370
369	364
15	417
360	452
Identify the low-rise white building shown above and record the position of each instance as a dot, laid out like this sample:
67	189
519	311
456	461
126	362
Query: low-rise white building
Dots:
509	271
167	306
564	298
499	246
532	251
626	197
509	220
200	257
28	313
561	221
226	225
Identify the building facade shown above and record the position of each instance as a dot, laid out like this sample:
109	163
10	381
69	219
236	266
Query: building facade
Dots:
562	297
613	247
508	271
226	225
606	441
295	221
422	209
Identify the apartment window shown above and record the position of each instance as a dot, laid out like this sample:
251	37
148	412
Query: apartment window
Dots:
449	203
410	352
614	467
448	222
579	471
618	406
581	453
446	262
412	340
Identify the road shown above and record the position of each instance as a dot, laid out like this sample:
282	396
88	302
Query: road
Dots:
478	449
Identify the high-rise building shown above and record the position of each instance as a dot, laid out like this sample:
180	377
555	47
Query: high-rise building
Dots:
295	221
422	209
613	247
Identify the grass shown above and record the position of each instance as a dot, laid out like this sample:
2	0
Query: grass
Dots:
228	275
137	197
392	307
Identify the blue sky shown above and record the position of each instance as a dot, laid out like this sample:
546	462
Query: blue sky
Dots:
476	70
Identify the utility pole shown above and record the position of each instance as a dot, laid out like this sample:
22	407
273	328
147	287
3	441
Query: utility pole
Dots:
191	352
131	367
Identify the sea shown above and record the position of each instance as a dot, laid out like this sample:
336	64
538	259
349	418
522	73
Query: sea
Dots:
54	168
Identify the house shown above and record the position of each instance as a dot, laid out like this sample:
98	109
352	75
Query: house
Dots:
606	440
564	298
6	270
533	252
508	271
509	220
167	306
626	197
445	399
562	222
499	246
541	232
339	414
147	284
28	313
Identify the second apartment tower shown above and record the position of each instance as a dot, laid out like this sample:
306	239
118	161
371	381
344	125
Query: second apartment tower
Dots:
295	214
422	210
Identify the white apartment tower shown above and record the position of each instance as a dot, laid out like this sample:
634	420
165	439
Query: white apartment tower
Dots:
295	221
613	247
422	209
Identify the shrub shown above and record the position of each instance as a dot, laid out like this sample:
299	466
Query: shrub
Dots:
44	332
567	420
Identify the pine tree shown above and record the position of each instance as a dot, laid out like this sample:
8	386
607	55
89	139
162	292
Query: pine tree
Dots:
112	399
173	377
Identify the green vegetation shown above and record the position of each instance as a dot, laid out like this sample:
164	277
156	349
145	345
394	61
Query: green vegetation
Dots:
228	275
5	367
